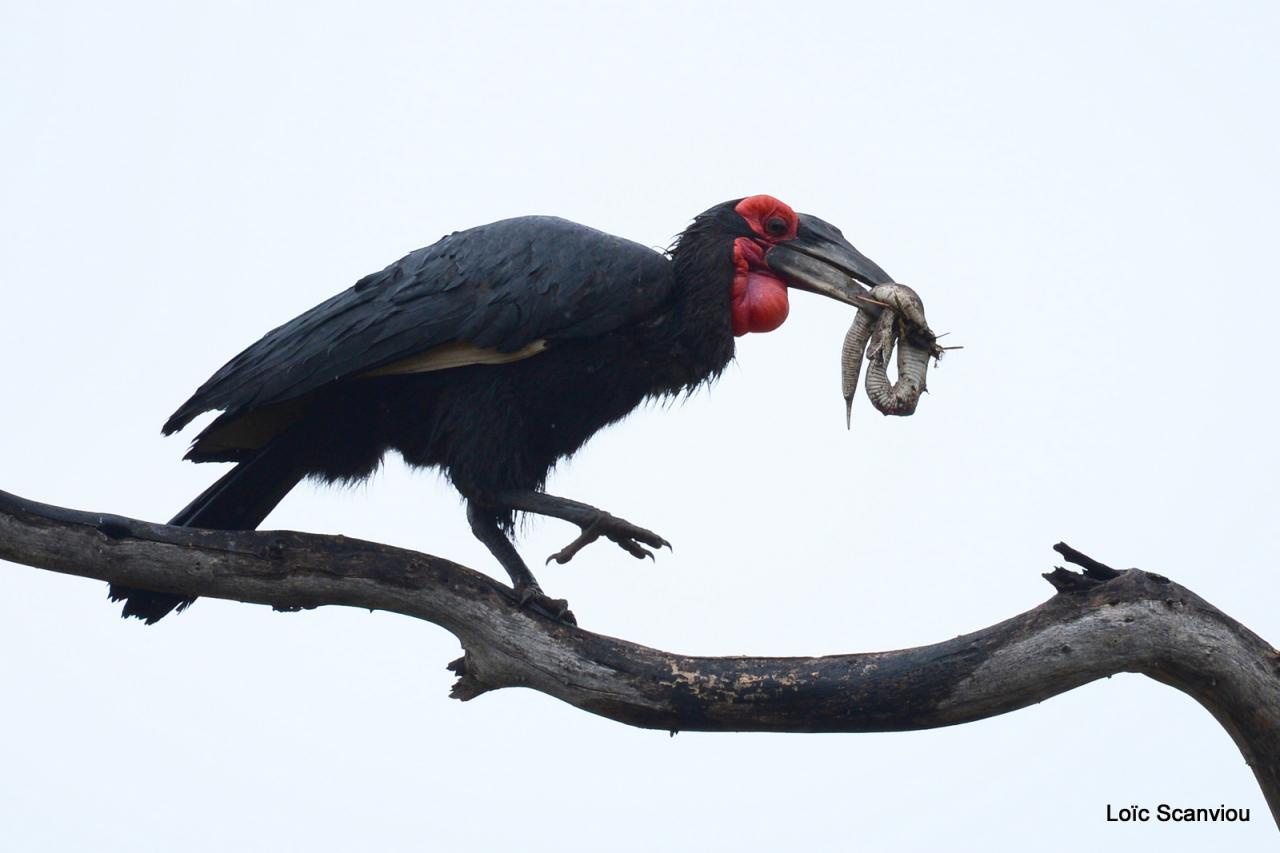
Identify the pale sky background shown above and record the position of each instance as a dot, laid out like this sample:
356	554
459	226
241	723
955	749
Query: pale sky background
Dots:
1085	194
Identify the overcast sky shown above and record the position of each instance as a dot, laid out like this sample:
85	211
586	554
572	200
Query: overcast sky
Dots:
1084	194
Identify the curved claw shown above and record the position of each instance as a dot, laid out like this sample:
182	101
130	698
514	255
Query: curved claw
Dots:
629	542
637	551
623	533
539	602
589	534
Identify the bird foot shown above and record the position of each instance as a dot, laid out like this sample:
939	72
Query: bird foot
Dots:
629	537
544	605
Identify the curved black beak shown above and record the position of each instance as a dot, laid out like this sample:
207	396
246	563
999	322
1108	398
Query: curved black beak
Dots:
821	260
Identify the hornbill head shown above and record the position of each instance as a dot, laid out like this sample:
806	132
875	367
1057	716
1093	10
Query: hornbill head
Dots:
775	248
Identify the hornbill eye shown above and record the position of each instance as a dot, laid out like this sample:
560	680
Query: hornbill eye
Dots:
776	226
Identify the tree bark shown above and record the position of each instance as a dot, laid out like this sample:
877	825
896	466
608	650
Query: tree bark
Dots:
1100	622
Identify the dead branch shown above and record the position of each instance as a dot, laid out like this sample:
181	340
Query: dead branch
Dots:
1099	623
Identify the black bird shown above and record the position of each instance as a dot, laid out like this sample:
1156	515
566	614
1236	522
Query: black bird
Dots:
493	354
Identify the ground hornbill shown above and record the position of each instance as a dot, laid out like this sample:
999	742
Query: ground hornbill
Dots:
493	354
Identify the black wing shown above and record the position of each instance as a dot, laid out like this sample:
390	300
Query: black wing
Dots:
500	286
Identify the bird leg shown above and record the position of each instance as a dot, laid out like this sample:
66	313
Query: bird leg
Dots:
593	522
485	527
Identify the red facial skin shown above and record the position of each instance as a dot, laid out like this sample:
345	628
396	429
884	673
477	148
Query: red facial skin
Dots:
760	297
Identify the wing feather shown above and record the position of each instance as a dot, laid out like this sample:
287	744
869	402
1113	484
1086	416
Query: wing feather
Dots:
497	289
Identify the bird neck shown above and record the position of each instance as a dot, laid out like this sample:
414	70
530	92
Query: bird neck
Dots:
702	327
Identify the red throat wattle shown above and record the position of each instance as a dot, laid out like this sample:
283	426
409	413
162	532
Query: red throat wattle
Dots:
759	297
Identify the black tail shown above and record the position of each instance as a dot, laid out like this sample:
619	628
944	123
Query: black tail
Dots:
239	500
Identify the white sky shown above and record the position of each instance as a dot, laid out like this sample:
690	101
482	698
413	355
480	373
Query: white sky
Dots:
1085	195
